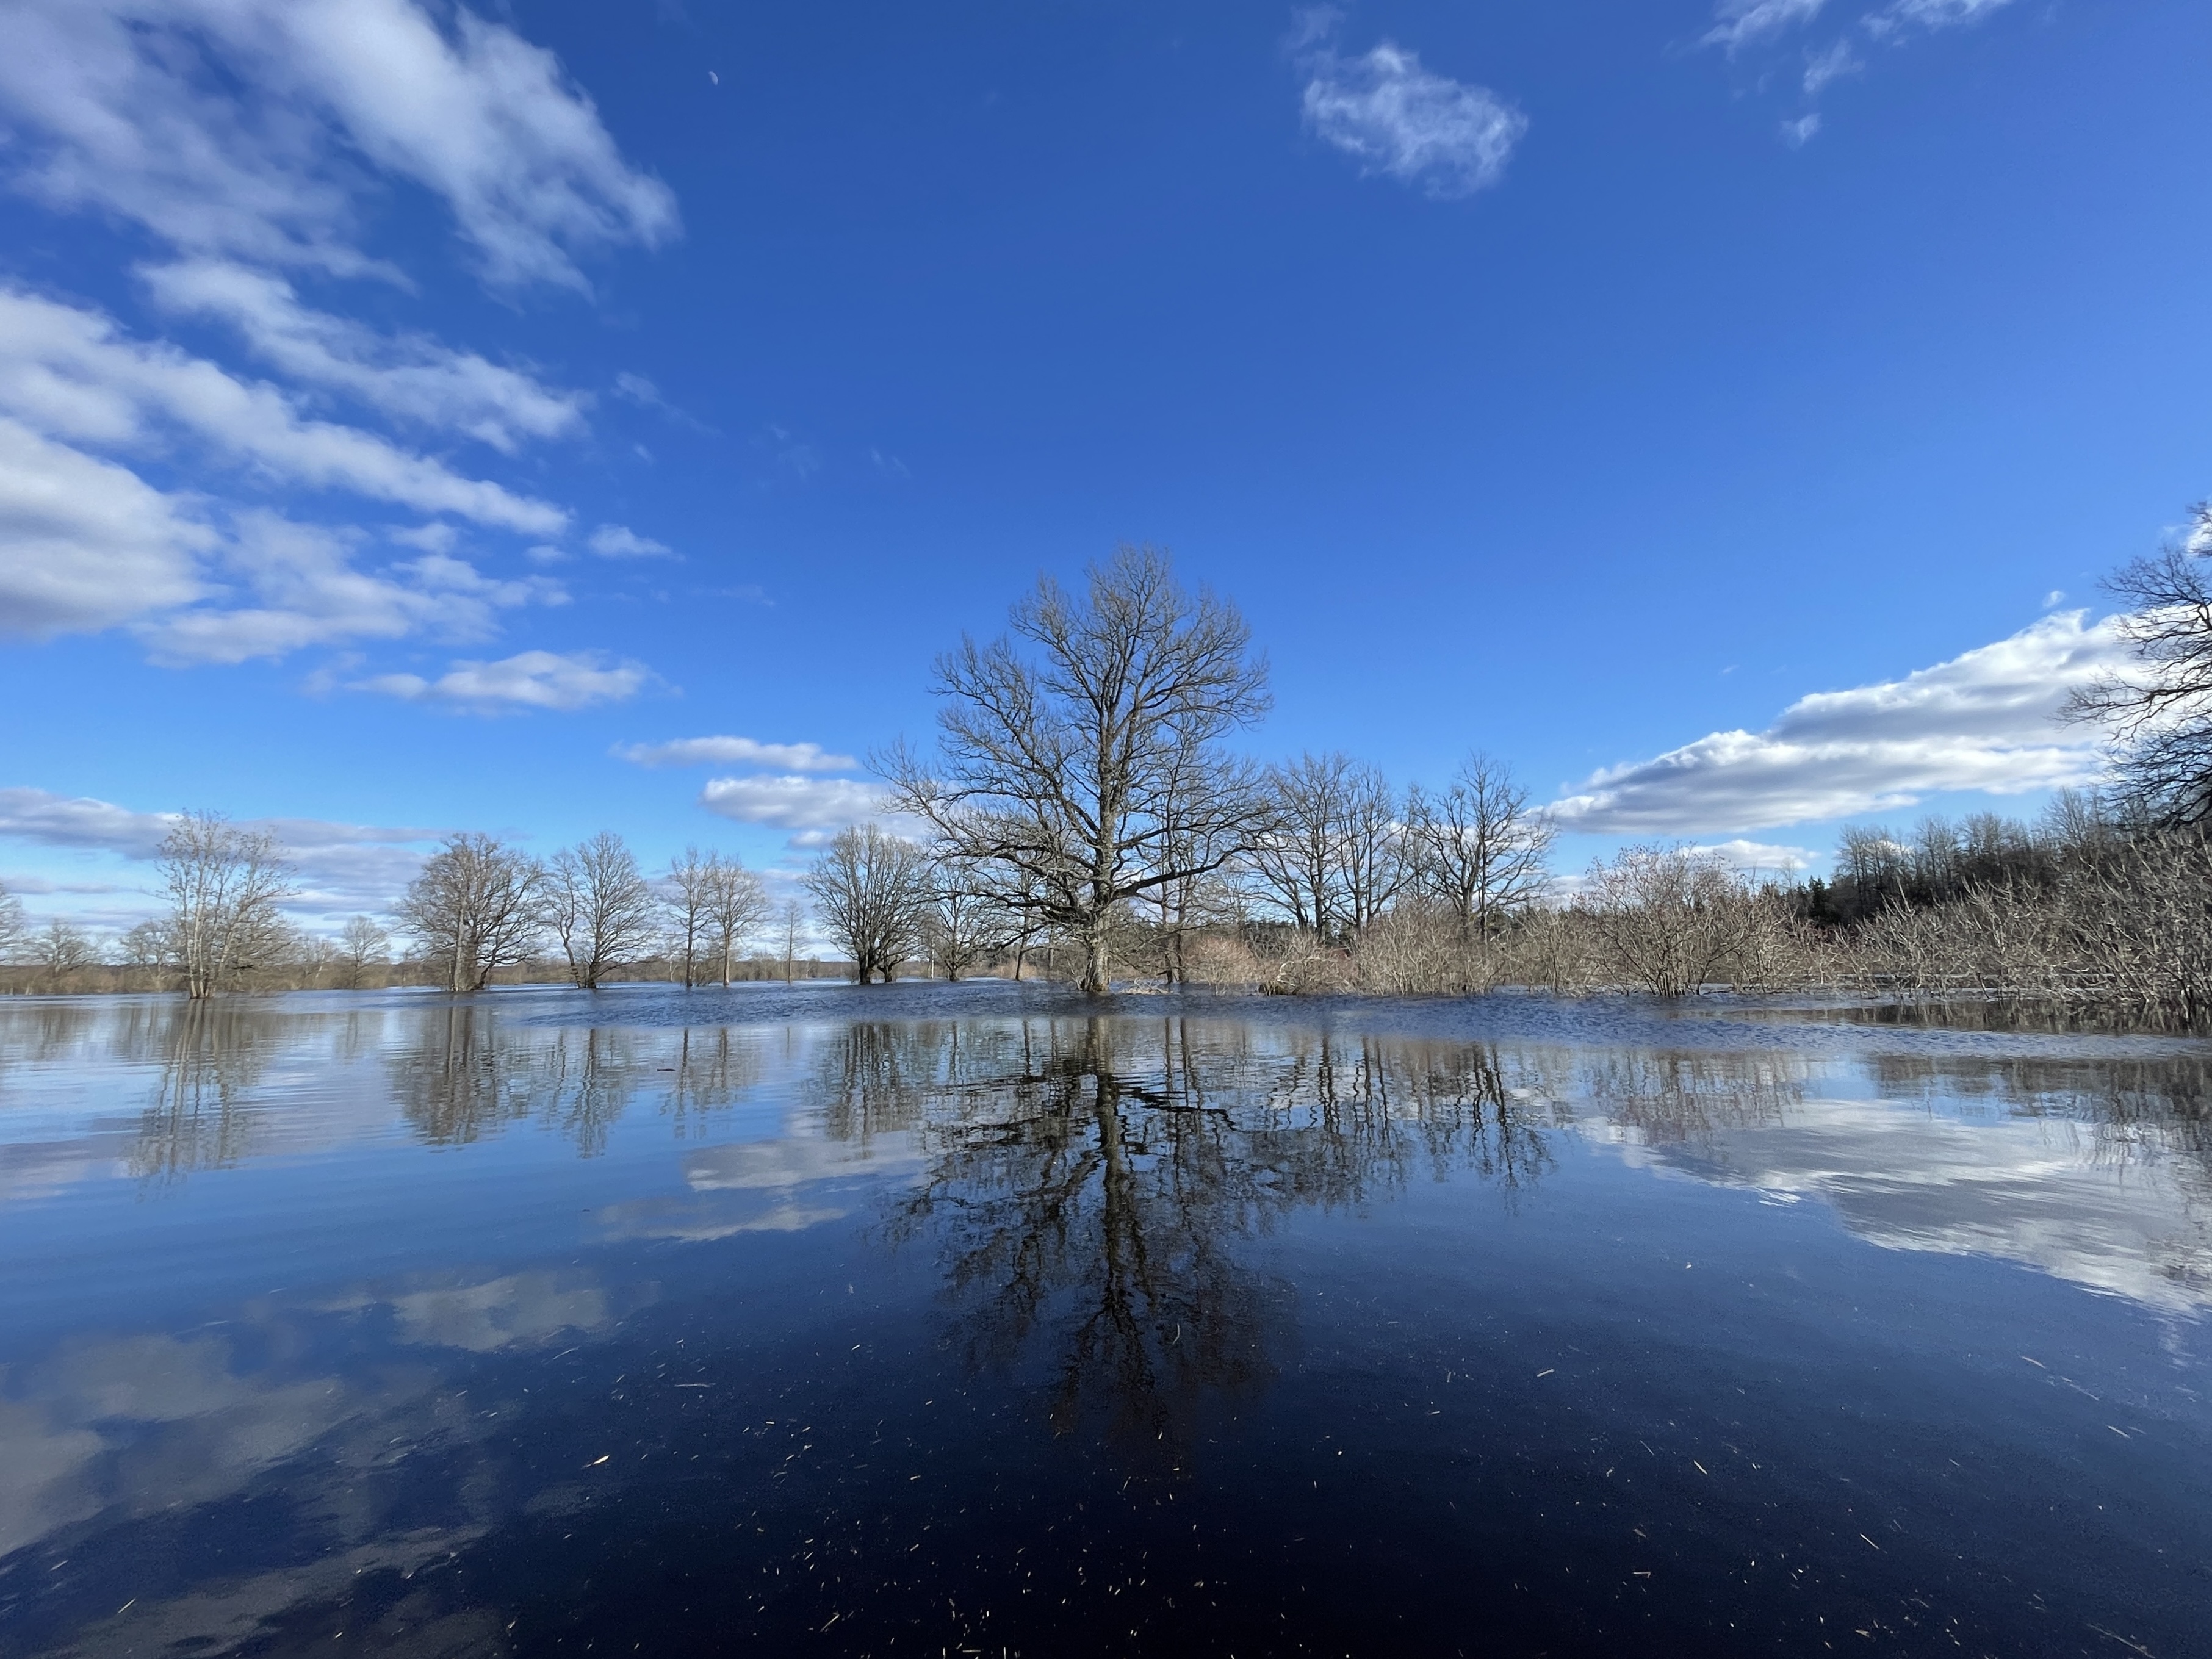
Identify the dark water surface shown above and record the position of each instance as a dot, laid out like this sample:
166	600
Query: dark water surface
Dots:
940	1319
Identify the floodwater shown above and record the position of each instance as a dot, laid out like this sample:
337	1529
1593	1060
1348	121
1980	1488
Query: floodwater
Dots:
975	1320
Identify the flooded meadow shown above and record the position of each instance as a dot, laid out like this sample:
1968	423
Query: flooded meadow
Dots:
984	1318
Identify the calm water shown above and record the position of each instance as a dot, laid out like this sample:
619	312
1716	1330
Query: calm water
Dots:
962	1320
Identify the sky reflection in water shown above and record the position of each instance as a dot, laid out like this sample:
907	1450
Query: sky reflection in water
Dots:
391	1324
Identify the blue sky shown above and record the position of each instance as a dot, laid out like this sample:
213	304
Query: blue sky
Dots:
410	416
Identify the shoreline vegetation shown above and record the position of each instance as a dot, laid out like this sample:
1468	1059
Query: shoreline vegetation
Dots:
1082	817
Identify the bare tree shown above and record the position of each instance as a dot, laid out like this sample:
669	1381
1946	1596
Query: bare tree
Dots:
14	930
63	950
600	907
1084	775
871	891
964	922
225	886
1295	858
792	922
474	908
1480	848
690	890
737	907
362	943
149	944
1371	863
2159	716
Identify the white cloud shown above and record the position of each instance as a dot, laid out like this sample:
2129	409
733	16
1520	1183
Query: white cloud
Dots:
341	865
1984	720
615	540
737	751
1739	23
1798	133
1763	858
71	373
242	127
1411	123
410	377
307	592
84	543
529	679
1932	14
1832	64
793	802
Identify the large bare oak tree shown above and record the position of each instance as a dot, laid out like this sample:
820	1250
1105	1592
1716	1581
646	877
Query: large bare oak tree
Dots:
1079	758
2160	713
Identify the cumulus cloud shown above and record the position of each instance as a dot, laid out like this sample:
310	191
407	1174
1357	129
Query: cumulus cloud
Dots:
615	540
736	751
242	127
1984	720
72	374
792	802
1409	123
84	543
410	377
529	679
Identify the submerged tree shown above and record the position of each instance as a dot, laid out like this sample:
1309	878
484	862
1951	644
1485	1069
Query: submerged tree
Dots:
872	890
13	929
737	907
1088	773
362	943
226	885
2160	714
474	909
600	906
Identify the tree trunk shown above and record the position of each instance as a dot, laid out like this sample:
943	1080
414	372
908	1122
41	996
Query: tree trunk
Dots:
1097	963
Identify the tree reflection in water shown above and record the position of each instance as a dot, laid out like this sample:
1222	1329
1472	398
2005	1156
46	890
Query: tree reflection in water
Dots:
1095	1187
468	1074
211	1055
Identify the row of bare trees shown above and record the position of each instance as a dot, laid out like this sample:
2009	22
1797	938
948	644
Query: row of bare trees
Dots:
480	905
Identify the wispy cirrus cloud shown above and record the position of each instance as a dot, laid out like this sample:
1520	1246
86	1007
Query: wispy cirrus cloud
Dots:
282	586
243	128
1984	720
1449	138
409	376
542	680
1742	28
251	137
737	751
73	373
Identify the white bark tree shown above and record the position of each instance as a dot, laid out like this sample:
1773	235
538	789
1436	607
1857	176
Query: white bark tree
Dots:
14	930
225	886
1088	771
